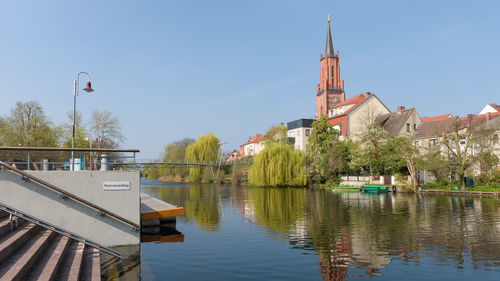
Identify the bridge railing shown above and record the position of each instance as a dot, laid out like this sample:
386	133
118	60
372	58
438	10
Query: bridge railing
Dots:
55	158
184	162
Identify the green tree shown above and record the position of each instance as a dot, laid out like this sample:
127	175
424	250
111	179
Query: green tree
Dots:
205	149
175	152
278	164
438	164
461	142
5	132
66	132
380	152
409	153
276	133
28	126
321	156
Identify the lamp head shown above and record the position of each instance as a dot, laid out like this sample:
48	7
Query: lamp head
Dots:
88	89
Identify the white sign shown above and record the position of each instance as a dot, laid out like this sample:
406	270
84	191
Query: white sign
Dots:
116	185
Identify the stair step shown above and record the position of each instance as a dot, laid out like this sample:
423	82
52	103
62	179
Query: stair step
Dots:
4	226
3	214
92	264
19	264
46	268
72	264
15	239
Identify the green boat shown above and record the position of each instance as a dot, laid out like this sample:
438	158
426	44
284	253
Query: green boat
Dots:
374	188
346	188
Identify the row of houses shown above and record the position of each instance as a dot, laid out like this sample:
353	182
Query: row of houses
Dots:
351	116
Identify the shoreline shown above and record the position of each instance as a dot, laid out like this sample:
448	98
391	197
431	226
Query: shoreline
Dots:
472	193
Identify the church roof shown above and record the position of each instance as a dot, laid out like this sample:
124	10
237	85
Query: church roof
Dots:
329	44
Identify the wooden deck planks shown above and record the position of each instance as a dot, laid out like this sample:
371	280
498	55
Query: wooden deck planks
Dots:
152	208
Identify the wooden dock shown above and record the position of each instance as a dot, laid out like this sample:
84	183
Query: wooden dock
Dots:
153	208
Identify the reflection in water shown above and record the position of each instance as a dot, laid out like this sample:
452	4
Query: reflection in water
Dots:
122	269
354	234
161	234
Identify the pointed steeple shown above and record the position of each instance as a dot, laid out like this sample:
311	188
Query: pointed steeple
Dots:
329	44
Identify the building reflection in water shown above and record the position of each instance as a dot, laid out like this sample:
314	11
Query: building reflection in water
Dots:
354	234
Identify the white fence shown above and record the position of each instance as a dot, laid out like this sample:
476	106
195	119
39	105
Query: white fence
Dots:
361	180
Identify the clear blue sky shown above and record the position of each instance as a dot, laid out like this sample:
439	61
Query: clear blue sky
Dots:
175	69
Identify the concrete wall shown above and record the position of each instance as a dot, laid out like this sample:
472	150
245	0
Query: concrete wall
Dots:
75	217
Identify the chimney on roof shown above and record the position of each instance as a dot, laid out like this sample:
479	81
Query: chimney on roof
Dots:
470	117
401	108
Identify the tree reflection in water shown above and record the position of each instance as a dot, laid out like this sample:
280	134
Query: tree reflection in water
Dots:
356	231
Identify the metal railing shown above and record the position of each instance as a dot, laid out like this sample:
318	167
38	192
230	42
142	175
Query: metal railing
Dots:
55	158
184	163
66	194
59	230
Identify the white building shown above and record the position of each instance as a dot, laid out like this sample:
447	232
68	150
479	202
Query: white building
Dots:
490	108
299	130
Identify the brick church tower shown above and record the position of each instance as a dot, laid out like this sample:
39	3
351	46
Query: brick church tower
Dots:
330	90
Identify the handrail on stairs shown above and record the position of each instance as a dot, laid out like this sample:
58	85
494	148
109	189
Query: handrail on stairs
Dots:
59	230
70	195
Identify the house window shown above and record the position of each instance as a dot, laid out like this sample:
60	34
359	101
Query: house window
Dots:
308	131
432	142
408	127
417	143
414	127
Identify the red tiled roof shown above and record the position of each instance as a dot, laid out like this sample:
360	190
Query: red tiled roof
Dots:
495	106
426	119
354	100
477	119
255	139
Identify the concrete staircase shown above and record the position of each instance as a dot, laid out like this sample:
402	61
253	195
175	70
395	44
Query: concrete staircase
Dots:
29	252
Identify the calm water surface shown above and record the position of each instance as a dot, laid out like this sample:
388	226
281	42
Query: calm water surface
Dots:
241	233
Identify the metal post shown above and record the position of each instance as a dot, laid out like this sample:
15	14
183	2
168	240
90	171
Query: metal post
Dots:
28	160
75	91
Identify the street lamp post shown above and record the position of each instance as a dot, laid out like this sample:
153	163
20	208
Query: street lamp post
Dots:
87	89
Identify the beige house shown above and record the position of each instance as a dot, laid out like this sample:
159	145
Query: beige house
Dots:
352	116
402	122
429	135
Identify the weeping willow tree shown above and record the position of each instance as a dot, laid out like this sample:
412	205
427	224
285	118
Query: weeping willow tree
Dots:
278	164
205	149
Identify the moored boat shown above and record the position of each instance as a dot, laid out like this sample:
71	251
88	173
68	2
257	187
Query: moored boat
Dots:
374	188
346	188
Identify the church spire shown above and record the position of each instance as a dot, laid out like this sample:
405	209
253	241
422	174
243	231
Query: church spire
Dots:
329	44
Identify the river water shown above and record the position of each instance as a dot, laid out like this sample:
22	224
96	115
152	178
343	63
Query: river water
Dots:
245	233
